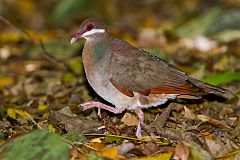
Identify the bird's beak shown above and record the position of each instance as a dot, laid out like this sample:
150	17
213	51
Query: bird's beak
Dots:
76	37
73	39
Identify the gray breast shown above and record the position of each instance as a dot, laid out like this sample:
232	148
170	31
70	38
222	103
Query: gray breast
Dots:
98	75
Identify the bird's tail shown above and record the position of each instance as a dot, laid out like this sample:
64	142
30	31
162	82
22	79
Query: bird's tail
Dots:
208	88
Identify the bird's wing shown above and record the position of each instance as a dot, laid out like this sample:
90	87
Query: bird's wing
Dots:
135	70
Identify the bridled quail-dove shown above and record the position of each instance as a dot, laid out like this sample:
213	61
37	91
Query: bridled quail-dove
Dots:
131	78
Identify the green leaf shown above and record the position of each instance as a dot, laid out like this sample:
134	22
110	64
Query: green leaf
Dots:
221	78
210	22
74	137
38	145
112	138
199	25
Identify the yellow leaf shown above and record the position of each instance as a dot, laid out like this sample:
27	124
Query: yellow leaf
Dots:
10	37
22	114
4	81
96	140
11	113
51	128
109	153
163	156
42	107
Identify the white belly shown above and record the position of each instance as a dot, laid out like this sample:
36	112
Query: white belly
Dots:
104	88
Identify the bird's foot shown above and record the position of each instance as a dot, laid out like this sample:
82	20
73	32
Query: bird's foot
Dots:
99	105
141	118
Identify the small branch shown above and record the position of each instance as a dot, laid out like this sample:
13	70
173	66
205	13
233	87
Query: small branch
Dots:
33	120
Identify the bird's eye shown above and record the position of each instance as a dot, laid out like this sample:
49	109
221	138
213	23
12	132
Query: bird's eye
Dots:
89	27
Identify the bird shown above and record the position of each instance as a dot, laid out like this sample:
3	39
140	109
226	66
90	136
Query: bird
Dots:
130	78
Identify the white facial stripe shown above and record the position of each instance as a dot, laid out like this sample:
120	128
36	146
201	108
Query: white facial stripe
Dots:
93	31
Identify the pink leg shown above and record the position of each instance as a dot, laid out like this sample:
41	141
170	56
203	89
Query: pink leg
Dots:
141	118
99	105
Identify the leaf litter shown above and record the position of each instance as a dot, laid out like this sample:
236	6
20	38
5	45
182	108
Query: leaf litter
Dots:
40	90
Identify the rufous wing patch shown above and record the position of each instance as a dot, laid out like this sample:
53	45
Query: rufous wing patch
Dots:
145	93
122	89
186	89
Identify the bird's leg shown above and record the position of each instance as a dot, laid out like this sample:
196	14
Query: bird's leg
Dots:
141	118
99	105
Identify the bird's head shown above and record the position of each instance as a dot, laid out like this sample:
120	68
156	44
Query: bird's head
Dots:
90	28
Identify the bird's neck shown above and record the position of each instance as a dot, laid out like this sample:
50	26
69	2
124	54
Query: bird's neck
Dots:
95	49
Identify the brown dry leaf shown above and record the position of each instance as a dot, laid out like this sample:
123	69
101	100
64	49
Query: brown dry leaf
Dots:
216	149
181	151
188	113
148	148
74	154
130	119
109	125
214	122
225	111
74	124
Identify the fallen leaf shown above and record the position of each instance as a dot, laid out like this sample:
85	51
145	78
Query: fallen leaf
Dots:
216	149
130	119
109	153
38	144
181	151
198	152
112	138
13	112
74	153
163	156
5	81
74	137
42	107
188	113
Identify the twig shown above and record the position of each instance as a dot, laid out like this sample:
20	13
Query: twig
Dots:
33	120
128	138
86	145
